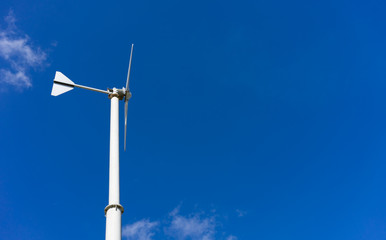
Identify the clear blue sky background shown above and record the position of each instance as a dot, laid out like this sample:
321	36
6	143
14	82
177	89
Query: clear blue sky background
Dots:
266	118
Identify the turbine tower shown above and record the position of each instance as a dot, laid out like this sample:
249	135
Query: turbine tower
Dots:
114	209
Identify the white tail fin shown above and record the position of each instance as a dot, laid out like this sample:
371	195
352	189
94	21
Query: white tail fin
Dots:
61	85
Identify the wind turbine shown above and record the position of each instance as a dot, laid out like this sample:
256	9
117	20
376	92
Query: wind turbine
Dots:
114	209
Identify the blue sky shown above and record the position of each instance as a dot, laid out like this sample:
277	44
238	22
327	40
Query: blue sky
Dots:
249	119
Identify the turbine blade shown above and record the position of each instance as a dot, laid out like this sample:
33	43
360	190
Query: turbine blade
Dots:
128	72
127	94
126	105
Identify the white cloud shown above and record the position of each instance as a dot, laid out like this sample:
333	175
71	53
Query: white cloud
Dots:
17	51
231	237
18	79
194	227
241	213
141	230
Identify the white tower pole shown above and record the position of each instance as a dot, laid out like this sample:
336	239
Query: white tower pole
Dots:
114	210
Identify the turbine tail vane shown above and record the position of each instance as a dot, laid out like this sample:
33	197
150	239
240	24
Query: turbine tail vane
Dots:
62	84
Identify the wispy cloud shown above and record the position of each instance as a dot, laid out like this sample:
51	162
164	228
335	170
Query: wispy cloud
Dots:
241	213
19	54
194	226
141	230
231	237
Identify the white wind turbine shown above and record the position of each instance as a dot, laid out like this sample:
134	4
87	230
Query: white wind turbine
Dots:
114	210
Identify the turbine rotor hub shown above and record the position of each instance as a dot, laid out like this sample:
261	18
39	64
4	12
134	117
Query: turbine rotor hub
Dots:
119	93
